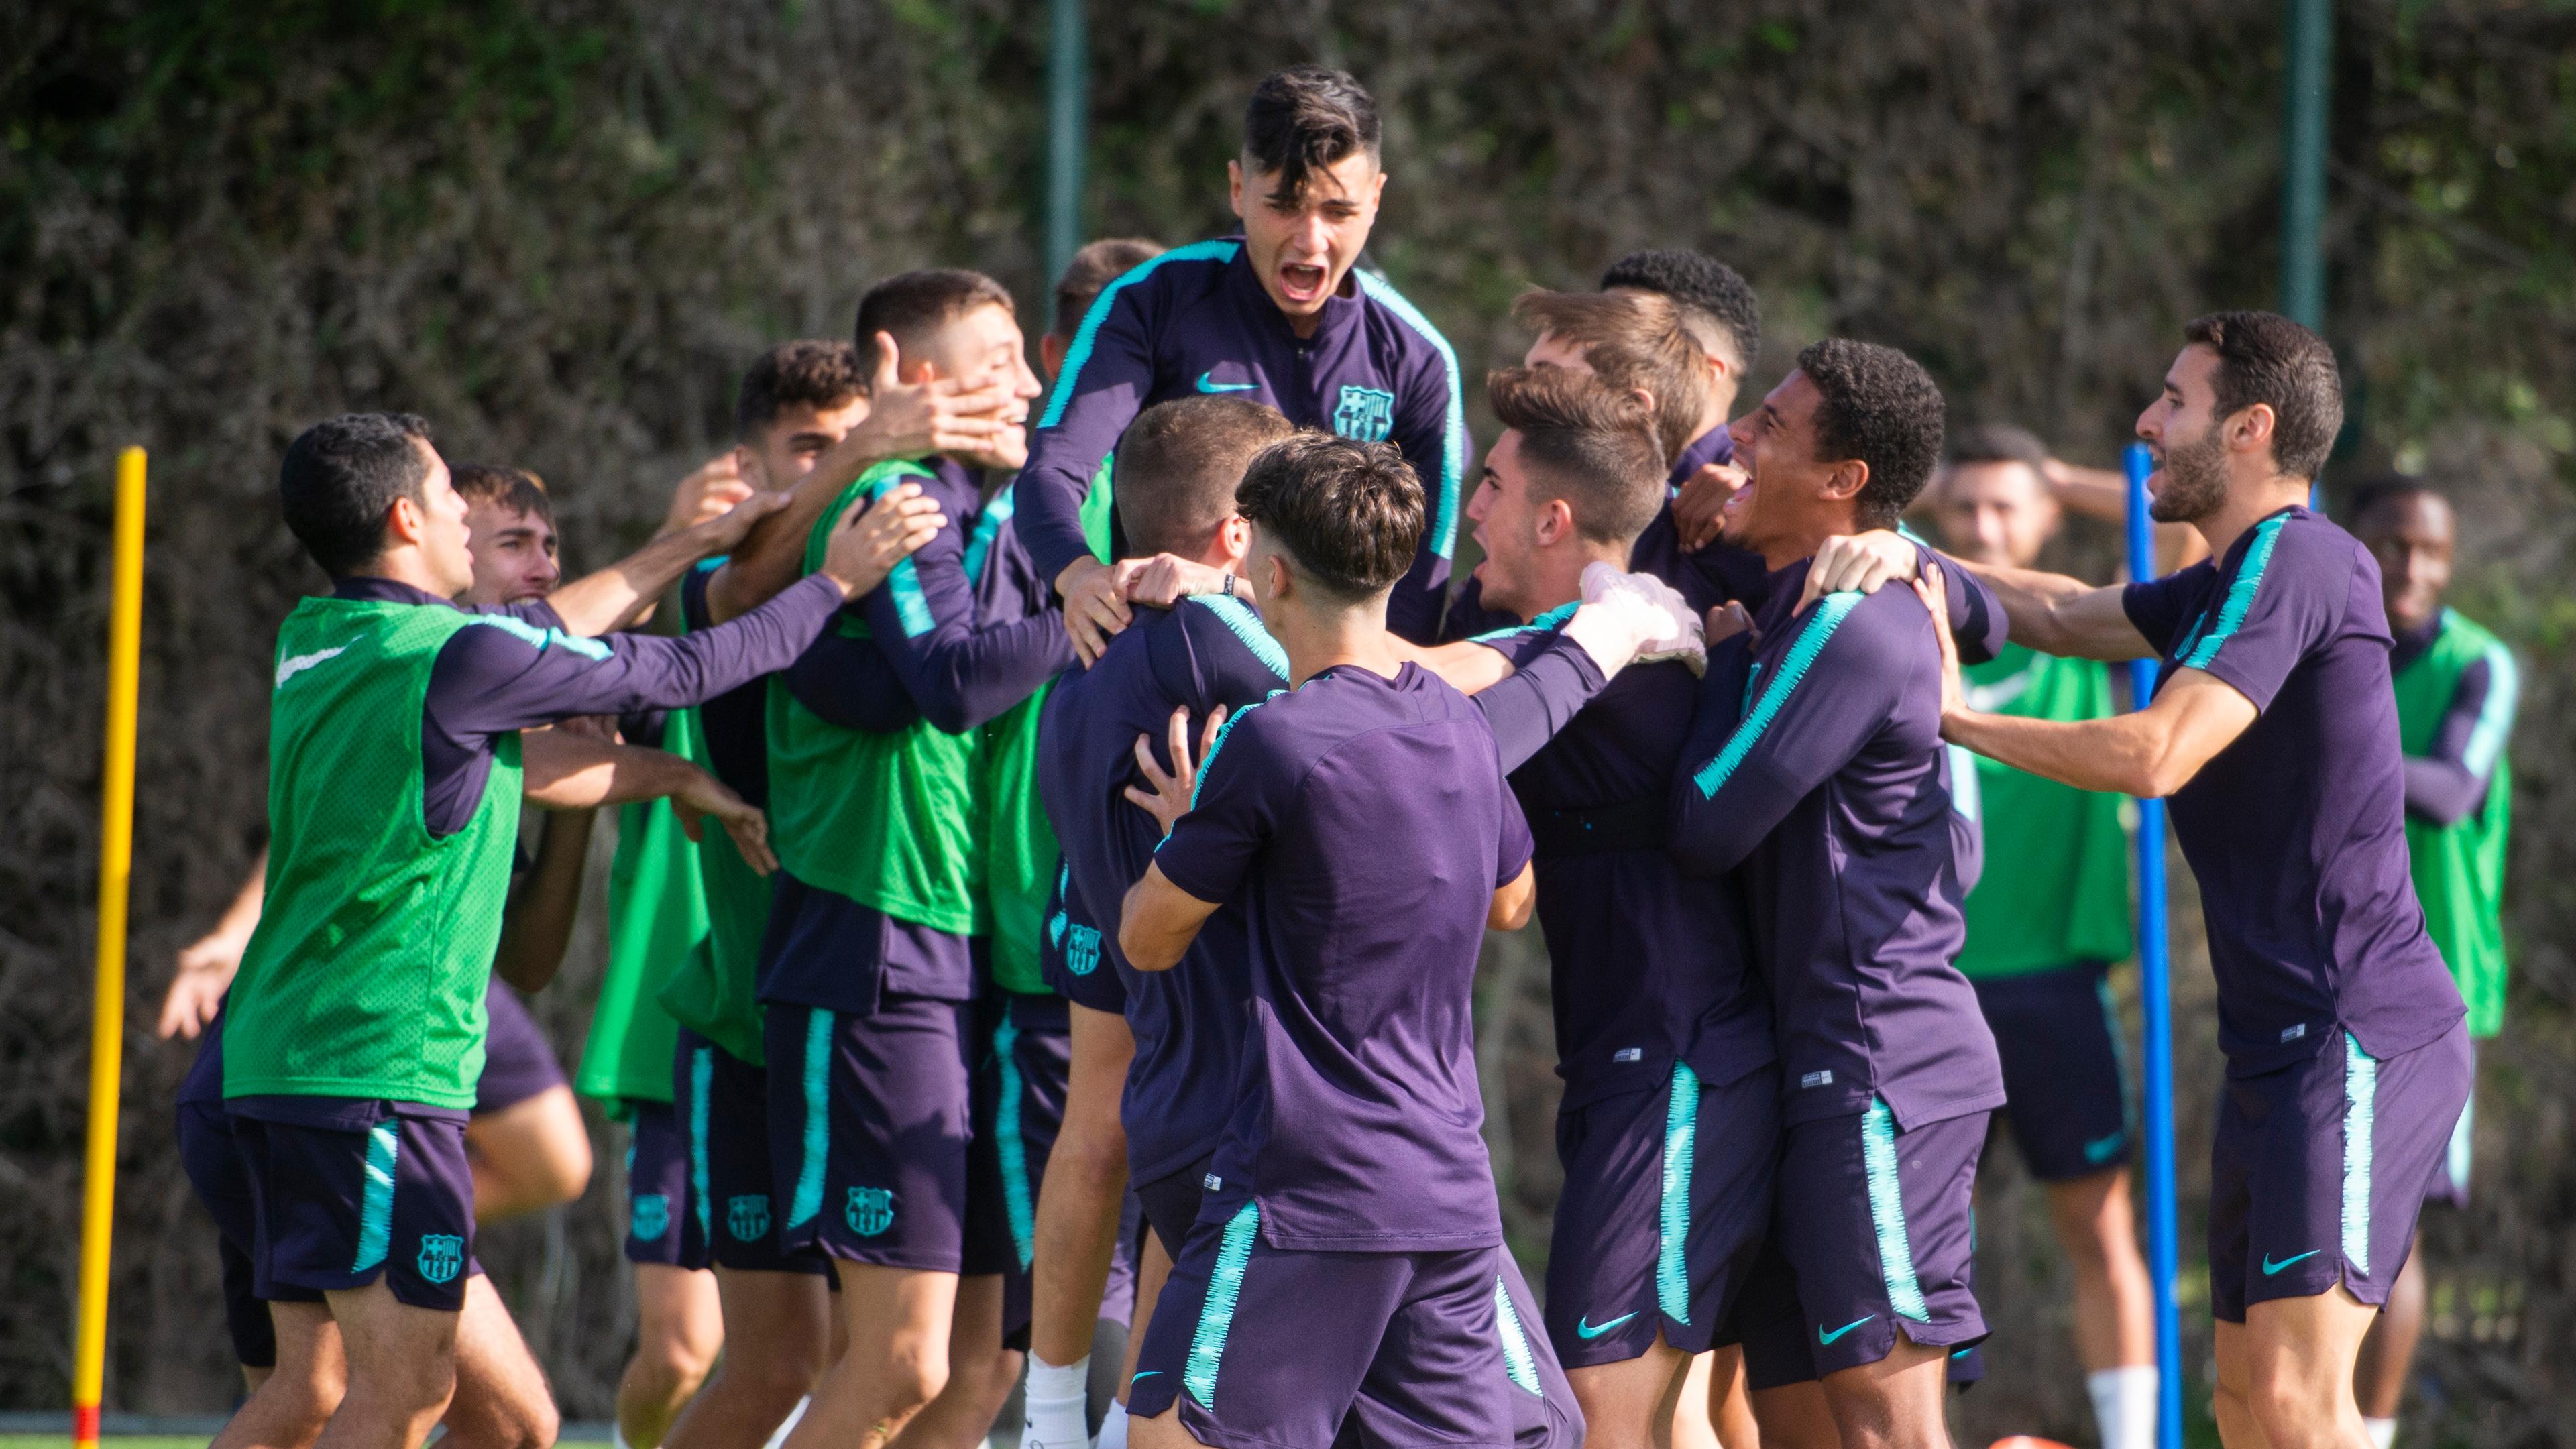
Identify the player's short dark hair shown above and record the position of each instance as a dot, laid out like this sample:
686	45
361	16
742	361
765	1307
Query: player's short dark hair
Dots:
812	372
2264	357
1703	285
1350	513
1878	406
1306	118
1092	270
1180	462
1629	342
910	306
1585	442
1999	443
339	478
2378	489
515	489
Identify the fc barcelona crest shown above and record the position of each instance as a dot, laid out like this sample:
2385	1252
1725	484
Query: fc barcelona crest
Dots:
747	1217
870	1210
1366	414
442	1256
1082	951
652	1216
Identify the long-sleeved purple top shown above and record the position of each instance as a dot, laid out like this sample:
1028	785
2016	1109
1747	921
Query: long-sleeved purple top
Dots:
1815	769
1196	319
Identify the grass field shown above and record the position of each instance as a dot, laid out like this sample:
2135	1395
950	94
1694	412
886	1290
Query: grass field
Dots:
120	1441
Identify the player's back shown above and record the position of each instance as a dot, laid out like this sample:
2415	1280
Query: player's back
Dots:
1366	823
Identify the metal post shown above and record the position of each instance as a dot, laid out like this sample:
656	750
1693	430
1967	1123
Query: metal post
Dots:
2307	52
1068	131
2155	991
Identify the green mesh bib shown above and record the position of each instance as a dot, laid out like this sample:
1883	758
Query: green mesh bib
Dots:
2459	868
2056	884
657	915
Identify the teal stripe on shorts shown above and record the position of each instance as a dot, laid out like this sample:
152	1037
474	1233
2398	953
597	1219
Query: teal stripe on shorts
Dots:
376	1206
808	1202
1887	1213
1216	1314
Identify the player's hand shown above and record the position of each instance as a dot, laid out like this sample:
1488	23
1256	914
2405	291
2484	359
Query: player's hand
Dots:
1627	617
935	415
1860	563
1728	620
1169	798
600	727
1165	579
1699	513
714	487
1095	603
196	992
871	538
1934	591
708	796
725	532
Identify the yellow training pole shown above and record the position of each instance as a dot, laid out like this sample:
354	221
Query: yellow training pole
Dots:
115	876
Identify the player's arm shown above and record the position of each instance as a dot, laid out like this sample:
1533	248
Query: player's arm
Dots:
207	965
1430	427
1532	681
2148	753
923	622
1869	561
2448	782
1159	920
536	925
1513	901
614	597
1213	821
2055	614
565	771
1098	394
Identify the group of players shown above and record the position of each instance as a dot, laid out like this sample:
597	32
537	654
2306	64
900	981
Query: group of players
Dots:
1134	798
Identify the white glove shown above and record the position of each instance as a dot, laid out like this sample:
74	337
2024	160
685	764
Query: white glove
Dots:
1648	611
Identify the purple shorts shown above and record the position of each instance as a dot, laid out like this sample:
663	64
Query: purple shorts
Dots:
1070	958
2318	1170
1020	1079
663	1224
1874	1230
721	1106
1171	1203
518	1063
870	1117
1666	1203
340	1206
2451	1178
2057	1032
1263	1347
212	1159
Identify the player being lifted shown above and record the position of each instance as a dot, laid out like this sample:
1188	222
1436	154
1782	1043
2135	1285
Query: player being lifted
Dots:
2275	730
1279	315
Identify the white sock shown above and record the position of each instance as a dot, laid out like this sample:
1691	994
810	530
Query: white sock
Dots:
1058	1394
780	1437
2383	1432
1113	1427
2124	1405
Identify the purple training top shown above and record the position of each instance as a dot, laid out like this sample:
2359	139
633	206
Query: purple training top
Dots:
2297	831
1646	966
1816	768
1364	825
1196	319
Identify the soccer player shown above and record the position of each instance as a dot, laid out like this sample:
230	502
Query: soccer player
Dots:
356	1024
2274	728
1345	1258
869	971
1278	314
1724	316
2457	686
1669	1119
2042	932
1815	768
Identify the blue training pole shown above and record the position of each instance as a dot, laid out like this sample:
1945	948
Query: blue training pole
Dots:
2155	990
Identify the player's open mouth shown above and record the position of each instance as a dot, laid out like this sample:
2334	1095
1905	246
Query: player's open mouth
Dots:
1302	281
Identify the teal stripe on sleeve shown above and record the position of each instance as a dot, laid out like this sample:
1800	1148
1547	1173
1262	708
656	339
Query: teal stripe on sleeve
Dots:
1008	1144
988	526
1887	1213
1553	619
1518	1361
1222	731
1453	432
2495	717
2240	594
1238	616
808	1202
1087	335
1216	1314
1673	1222
2360	1117
376	1204
1831	610
590	649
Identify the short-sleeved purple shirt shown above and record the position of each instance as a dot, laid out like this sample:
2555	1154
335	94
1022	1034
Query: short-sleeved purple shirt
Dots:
2297	831
1365	825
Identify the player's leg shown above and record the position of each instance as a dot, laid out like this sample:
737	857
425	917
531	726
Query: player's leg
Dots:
402	1369
2297	1355
295	1397
1153	1270
529	1156
2115	1334
1896	1401
981	1372
1078	1212
775	1338
1691	1426
679	1322
1730	1399
2379	1378
897	1361
501	1399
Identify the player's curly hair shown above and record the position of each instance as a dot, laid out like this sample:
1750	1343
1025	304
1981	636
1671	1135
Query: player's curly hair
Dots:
1880	407
812	372
1703	285
1349	513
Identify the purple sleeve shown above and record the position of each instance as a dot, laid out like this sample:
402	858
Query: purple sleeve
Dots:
1977	621
2157	607
848	681
2445	786
1108	375
1211	850
923	620
2287	598
1547	689
1431	428
1208	663
1812	707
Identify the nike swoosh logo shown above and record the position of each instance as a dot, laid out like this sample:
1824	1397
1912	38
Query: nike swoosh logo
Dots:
1824	1339
2100	1149
1208	383
2270	1267
1583	1326
1147	1374
289	668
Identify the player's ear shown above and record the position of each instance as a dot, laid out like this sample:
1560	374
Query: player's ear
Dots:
1234	537
1234	187
754	472
2252	428
1555	523
405	521
1846	479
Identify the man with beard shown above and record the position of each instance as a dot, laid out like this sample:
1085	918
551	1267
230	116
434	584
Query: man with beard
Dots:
2274	727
